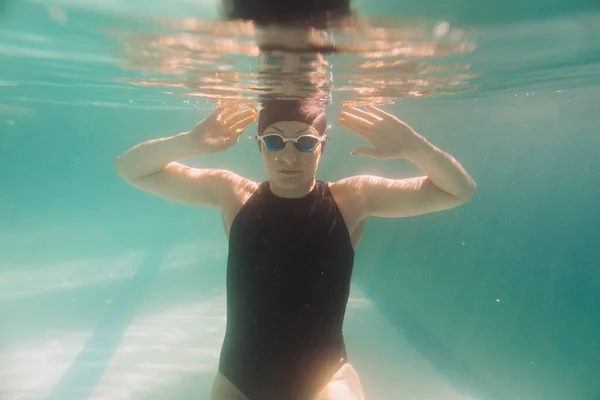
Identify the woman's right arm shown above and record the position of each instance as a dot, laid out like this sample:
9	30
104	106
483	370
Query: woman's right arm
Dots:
154	166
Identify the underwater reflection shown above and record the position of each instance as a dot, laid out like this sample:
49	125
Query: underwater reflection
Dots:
376	60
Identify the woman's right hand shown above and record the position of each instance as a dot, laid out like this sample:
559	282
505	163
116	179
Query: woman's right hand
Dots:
222	128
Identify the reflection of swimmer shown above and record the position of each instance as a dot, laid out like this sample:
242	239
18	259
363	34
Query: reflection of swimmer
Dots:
291	25
292	238
316	13
295	76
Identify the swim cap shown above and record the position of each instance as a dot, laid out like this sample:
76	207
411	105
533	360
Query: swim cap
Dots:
306	111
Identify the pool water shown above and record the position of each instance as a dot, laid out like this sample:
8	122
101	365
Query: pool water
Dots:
109	293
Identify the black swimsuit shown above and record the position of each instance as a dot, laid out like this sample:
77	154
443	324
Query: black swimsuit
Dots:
288	279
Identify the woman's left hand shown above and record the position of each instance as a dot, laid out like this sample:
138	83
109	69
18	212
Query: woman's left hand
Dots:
390	137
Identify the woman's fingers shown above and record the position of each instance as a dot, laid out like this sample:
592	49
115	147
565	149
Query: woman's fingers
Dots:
360	128
355	119
379	112
239	126
373	118
236	117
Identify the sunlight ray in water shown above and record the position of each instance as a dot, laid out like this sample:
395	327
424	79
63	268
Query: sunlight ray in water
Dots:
26	281
6	109
106	104
189	336
31	368
130	6
70	56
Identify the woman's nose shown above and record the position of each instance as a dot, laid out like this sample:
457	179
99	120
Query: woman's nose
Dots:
289	154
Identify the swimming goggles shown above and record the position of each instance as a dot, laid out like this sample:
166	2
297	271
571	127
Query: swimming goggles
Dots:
304	143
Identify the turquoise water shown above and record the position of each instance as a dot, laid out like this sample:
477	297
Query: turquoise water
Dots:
109	293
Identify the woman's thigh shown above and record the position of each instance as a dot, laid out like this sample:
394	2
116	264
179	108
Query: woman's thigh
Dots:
344	385
223	389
